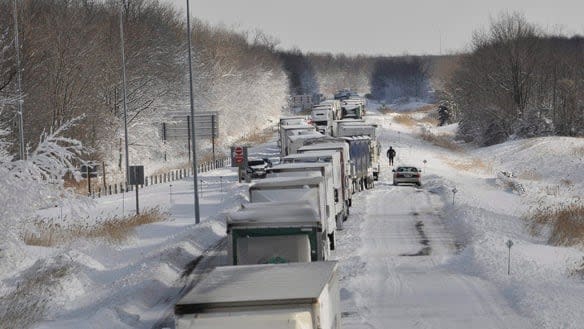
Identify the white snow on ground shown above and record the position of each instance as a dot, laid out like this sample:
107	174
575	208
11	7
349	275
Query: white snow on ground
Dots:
463	281
409	258
133	284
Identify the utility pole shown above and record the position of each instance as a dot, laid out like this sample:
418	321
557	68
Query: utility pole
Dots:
196	196
19	79
125	93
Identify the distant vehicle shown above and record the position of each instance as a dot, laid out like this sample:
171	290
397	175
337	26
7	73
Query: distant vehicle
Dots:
257	168
407	174
342	94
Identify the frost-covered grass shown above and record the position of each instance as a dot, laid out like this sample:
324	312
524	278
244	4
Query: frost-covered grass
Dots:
565	221
405	119
48	233
470	164
441	141
32	297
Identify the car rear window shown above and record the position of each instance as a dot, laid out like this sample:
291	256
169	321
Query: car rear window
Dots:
407	169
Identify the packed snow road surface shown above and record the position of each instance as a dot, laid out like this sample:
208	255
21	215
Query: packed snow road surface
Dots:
392	255
398	281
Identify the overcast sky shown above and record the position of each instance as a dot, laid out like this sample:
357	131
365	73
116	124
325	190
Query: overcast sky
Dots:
380	26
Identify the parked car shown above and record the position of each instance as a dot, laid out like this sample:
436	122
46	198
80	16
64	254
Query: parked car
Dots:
407	174
256	168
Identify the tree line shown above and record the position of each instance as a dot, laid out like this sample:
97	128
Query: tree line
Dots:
382	78
71	68
518	81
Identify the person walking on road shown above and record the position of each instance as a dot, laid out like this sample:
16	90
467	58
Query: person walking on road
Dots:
391	155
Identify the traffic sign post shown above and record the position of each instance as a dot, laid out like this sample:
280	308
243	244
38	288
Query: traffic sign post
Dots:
136	178
88	171
509	245
239	159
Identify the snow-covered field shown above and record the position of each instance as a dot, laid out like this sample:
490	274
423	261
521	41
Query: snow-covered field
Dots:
409	258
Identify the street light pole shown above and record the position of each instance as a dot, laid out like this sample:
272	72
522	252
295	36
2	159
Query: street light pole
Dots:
195	185
19	79
125	94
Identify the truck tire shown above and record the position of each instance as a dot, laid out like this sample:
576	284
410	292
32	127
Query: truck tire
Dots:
332	241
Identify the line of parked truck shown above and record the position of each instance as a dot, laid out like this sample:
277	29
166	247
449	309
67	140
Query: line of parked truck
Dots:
280	242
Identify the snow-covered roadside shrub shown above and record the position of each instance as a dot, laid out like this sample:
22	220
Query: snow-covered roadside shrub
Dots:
27	185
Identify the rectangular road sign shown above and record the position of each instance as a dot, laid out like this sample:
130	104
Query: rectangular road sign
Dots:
136	175
177	127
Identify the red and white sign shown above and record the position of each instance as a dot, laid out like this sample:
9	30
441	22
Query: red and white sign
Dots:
238	156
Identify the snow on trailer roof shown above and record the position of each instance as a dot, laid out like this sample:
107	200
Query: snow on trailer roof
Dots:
356	123
300	165
257	285
286	182
356	138
323	146
326	139
350	120
303	126
266	213
311	134
312	154
295	203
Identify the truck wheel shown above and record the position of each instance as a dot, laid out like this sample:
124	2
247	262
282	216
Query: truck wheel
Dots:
332	241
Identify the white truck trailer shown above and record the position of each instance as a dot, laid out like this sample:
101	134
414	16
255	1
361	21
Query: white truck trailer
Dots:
360	153
322	118
353	107
296	140
351	128
289	130
334	105
274	296
325	170
341	182
341	146
286	189
276	232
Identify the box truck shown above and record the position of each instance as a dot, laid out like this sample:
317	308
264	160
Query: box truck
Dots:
273	296
285	189
276	232
325	170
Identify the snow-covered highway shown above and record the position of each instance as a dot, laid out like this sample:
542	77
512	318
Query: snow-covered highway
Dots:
398	281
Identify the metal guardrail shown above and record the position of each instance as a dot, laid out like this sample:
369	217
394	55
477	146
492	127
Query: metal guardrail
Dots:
170	176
